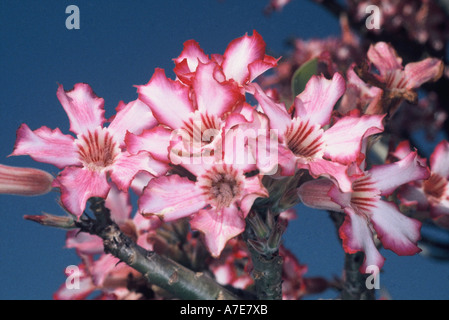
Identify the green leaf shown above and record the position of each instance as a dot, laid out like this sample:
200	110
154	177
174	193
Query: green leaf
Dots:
302	76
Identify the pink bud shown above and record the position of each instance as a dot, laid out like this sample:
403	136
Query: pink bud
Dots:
24	181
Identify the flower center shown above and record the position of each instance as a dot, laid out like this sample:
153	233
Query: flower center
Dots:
435	186
222	185
304	139
97	150
364	195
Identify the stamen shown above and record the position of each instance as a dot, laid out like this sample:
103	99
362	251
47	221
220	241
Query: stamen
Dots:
221	185
97	149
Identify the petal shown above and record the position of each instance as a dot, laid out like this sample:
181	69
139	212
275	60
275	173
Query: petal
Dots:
78	185
388	177
118	203
315	194
168	100
396	231
140	181
240	53
357	236
344	138
155	141
46	145
439	159
126	166
134	117
252	189
214	97
258	67
417	73
193	54
318	99
171	197
384	57
276	112
84	109
332	170
187	62
218	227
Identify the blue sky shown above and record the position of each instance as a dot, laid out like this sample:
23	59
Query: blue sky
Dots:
118	45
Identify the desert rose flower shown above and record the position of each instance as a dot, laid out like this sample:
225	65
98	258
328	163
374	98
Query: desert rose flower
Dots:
218	201
399	82
307	138
242	62
430	195
367	212
96	153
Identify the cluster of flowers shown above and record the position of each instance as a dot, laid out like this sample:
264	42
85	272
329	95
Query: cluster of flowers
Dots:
420	23
207	145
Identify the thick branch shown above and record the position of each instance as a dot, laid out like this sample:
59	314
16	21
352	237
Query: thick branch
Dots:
158	270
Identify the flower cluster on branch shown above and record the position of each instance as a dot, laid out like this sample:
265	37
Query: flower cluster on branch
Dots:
220	155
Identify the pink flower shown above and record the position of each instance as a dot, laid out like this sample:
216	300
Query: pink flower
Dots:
243	60
305	142
367	213
218	201
24	181
430	195
96	154
192	118
400	82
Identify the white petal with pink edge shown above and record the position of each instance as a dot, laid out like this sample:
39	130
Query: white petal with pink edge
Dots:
126	166
357	236
396	231
168	100
329	169
439	159
134	117
218	226
388	177
171	197
78	185
318	99
240	53
277	114
84	109
46	145
344	138
214	97
156	141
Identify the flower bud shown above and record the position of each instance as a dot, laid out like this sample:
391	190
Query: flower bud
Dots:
24	181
